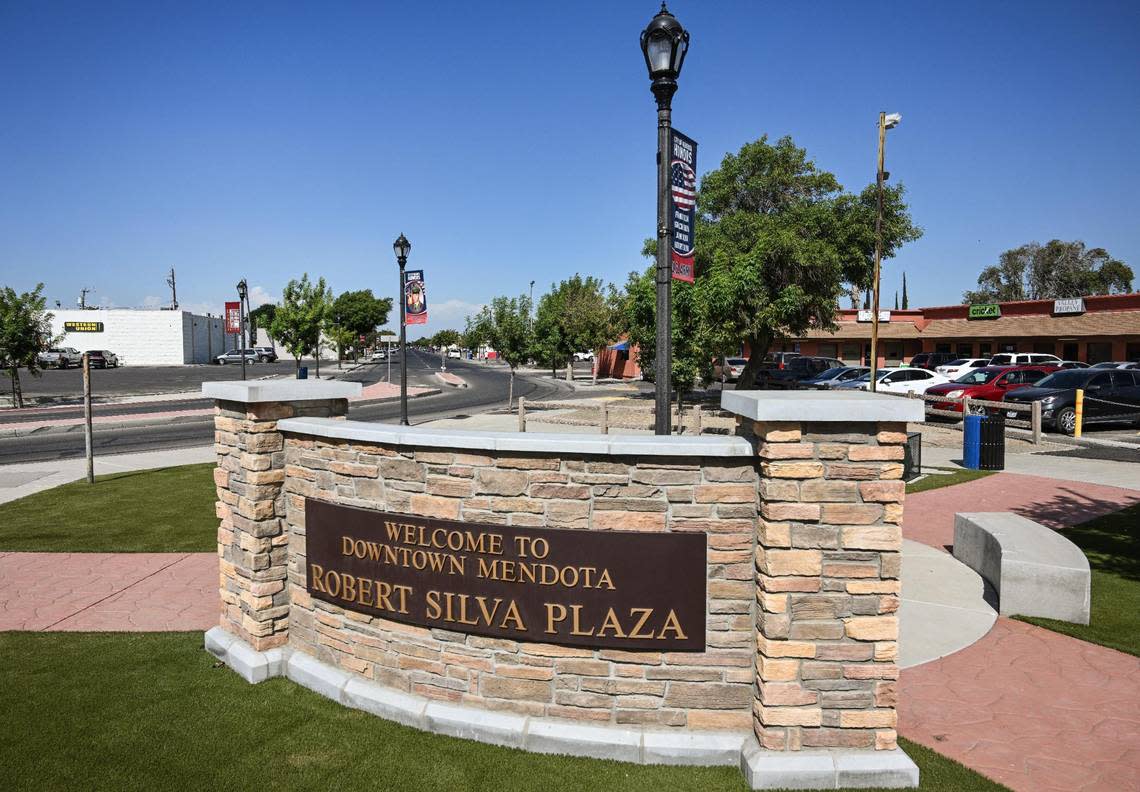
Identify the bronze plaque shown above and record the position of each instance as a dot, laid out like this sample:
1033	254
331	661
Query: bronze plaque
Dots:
606	589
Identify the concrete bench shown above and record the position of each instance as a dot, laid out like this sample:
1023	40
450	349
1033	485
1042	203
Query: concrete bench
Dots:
1035	570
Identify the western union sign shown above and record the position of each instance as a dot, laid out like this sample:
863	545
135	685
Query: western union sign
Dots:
83	327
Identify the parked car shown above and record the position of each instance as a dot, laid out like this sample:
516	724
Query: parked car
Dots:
1072	364
898	380
266	354
731	368
931	360
832	377
378	356
454	353
579	356
102	358
796	369
1108	364
1024	359
1110	396
235	356
778	360
955	368
60	357
990	384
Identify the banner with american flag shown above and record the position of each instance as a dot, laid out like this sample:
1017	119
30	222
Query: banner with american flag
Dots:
682	202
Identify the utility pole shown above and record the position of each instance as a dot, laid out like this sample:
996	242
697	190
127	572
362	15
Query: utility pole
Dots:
83	298
885	122
88	440
173	290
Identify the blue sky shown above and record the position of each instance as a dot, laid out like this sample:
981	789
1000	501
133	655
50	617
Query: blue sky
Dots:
514	141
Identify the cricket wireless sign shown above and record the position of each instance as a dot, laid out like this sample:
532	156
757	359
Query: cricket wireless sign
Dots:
613	589
683	203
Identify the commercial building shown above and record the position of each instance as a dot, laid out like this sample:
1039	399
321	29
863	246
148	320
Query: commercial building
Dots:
144	337
1089	329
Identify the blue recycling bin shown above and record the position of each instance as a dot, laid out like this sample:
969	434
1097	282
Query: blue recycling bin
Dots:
303	372
972	442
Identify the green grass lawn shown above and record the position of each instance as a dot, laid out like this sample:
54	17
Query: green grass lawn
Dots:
1112	544
154	511
938	480
127	711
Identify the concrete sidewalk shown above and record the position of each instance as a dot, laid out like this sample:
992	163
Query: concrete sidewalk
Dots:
21	479
1125	475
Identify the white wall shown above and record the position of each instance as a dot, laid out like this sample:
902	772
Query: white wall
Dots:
145	338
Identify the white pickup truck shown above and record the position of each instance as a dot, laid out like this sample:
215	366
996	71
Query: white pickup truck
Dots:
61	357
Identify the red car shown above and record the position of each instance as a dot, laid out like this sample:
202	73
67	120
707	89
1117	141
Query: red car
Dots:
990	383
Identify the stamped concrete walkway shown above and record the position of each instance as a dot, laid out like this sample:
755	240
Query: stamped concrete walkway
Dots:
1036	710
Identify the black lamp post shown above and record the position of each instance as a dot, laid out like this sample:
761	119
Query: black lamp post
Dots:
243	293
664	43
402	247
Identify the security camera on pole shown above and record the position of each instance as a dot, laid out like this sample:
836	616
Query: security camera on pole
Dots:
664	44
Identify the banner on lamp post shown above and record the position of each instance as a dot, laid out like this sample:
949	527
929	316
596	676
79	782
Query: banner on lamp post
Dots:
415	298
233	318
682	203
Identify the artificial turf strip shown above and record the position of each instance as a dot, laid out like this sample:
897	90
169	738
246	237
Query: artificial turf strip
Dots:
127	711
1112	544
937	481
166	510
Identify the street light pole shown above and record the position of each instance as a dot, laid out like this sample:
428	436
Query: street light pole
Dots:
402	247
242	291
664	43
885	122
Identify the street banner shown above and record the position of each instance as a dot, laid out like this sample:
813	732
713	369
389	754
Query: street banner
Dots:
682	202
233	318
415	298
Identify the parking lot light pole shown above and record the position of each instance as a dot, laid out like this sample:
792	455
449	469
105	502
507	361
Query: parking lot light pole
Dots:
243	292
664	44
402	247
885	122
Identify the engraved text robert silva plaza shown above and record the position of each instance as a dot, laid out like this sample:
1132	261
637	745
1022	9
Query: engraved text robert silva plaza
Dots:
611	589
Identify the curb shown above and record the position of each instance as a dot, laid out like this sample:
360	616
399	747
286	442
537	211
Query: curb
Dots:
451	380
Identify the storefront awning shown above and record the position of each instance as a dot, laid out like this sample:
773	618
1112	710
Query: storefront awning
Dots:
621	346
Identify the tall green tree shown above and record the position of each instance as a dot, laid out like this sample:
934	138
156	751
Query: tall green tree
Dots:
1054	270
301	316
549	344
692	359
445	338
25	331
359	313
779	242
578	317
905	299
261	316
506	326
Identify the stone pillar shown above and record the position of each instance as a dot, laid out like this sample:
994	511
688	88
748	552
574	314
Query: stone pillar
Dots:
828	560
252	541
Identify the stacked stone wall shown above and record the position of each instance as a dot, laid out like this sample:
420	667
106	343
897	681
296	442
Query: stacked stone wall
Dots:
707	690
827	572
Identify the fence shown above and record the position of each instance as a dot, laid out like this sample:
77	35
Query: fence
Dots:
697	419
1032	420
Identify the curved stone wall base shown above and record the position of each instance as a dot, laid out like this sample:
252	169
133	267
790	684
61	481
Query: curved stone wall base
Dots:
762	768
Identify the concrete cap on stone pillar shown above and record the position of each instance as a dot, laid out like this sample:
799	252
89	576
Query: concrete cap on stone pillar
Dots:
283	390
823	406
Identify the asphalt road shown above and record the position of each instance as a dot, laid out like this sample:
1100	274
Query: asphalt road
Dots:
487	389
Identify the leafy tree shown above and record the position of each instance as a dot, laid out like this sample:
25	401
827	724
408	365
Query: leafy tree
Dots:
445	338
25	331
506	326
1050	271
577	317
299	319
779	242
359	313
549	344
262	316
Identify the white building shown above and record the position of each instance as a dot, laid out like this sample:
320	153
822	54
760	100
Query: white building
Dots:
144	337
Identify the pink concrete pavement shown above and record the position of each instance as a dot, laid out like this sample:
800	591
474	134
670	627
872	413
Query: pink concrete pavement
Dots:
1034	709
146	592
929	516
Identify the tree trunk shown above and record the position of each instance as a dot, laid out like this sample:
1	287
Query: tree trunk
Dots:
17	392
297	362
511	389
680	414
570	369
757	349
553	367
